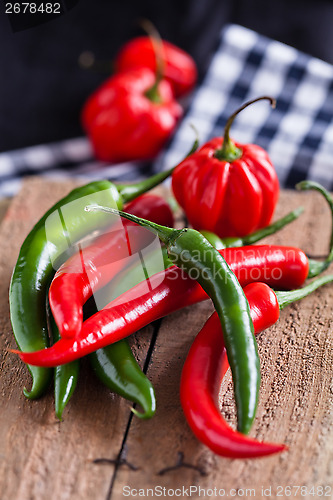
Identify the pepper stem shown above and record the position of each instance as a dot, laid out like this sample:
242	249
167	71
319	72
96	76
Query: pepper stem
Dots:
157	44
286	298
316	267
163	232
229	152
129	192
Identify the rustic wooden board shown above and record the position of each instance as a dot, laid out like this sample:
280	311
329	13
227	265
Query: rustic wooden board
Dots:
4	204
42	458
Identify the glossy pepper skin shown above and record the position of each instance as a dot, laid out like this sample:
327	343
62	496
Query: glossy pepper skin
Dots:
127	118
114	365
87	271
65	376
190	251
45	248
171	290
179	67
118	369
227	188
280	267
207	363
35	267
200	383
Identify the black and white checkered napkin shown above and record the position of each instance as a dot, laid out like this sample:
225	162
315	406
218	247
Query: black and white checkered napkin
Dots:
298	134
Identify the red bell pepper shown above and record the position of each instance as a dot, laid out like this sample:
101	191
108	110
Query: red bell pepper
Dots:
179	67
227	188
131	116
168	291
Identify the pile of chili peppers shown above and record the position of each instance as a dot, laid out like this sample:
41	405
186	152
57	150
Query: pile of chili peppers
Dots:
237	275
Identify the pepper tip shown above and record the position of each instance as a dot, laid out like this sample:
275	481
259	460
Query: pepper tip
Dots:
15	351
143	416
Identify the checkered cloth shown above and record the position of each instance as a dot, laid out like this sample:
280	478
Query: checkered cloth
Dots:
298	134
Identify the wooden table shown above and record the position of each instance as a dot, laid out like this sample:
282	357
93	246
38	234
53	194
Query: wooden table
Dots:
42	458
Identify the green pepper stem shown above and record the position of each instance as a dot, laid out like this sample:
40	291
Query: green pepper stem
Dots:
316	267
286	298
229	152
157	43
163	232
129	192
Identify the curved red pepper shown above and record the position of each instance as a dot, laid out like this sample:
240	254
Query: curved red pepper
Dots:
94	266
127	118
227	188
204	368
168	291
179	67
207	363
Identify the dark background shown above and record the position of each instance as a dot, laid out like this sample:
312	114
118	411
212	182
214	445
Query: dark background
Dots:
42	87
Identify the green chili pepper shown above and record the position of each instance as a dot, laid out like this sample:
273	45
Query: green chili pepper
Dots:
317	267
45	248
190	250
65	376
118	369
47	241
115	364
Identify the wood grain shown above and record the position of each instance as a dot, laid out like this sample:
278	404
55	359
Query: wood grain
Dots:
42	458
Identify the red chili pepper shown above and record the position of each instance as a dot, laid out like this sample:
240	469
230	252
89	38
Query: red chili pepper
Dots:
131	116
168	291
281	267
207	363
93	267
203	371
228	188
179	67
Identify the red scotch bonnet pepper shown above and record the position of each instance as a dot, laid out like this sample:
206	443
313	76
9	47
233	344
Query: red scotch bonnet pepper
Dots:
179	67
227	188
131	116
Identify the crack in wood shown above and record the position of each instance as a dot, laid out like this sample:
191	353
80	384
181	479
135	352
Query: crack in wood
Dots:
179	464
121	459
115	461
